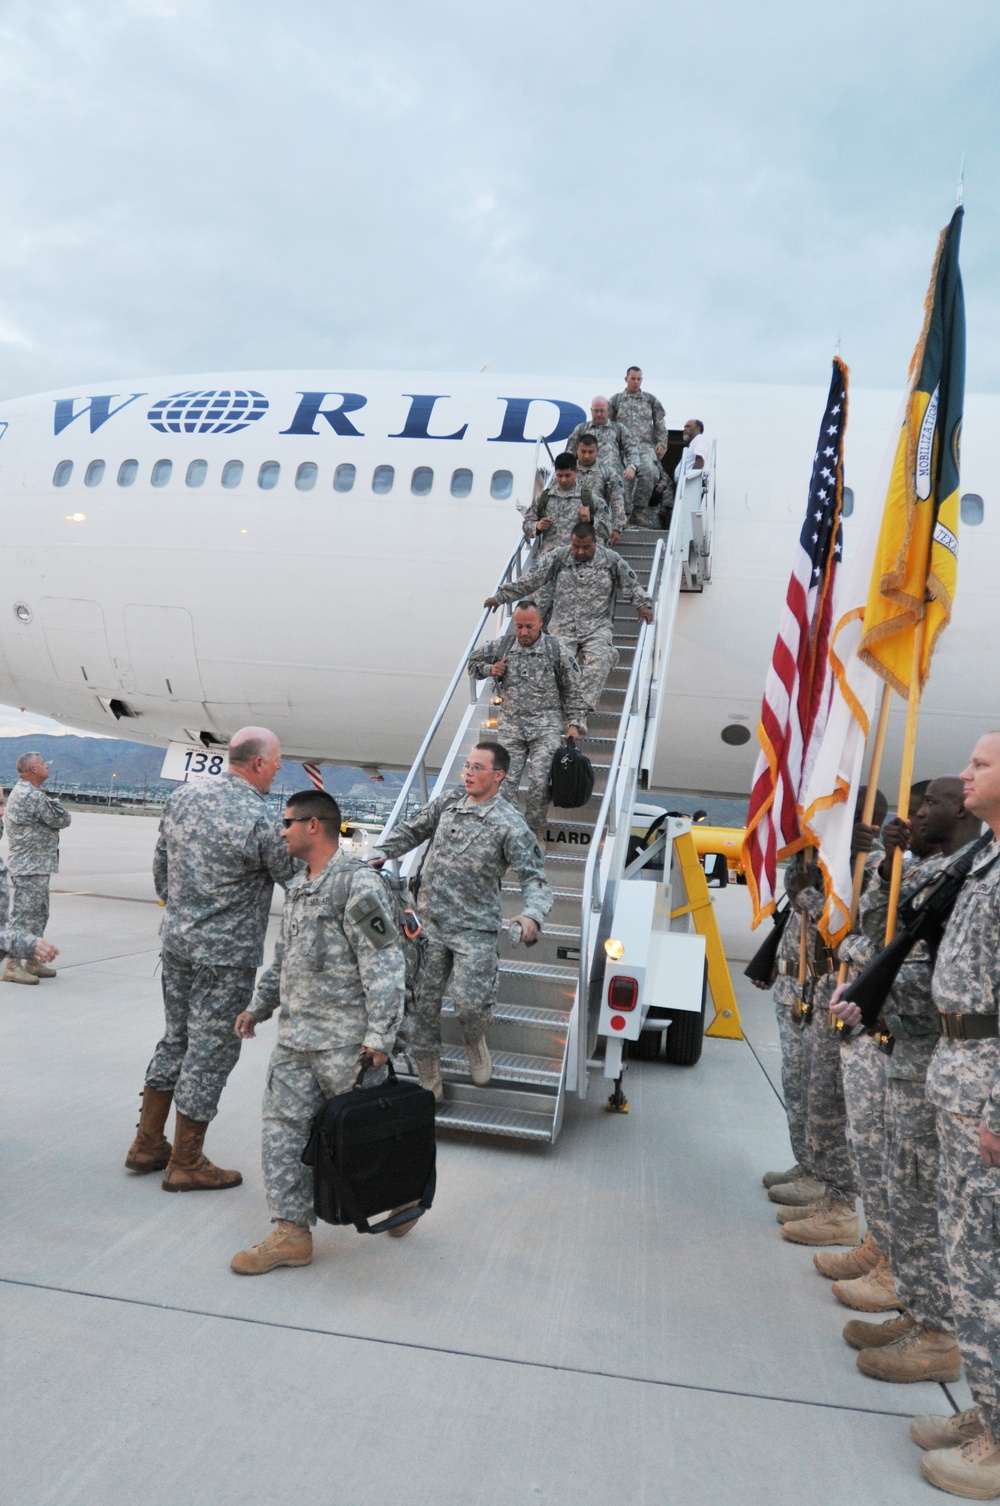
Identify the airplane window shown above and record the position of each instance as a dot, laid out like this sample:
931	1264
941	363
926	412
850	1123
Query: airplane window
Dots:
343	478
127	472
972	510
62	473
461	482
94	474
161	472
232	474
423	479
502	485
847	502
305	476
267	476
196	473
382	479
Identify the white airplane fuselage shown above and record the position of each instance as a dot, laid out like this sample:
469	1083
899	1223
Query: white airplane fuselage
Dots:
159	603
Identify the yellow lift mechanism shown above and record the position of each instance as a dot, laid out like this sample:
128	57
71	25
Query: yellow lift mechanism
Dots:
726	1024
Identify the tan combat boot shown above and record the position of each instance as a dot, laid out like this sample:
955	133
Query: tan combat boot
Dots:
849	1263
778	1178
189	1170
797	1194
38	968
947	1432
972	1471
429	1076
874	1292
150	1150
15	972
862	1335
480	1060
790	1213
834	1224
924	1354
287	1244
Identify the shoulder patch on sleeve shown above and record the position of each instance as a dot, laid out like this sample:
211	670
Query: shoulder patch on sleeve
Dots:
371	913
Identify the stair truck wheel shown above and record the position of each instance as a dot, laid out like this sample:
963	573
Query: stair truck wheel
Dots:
648	1047
686	1035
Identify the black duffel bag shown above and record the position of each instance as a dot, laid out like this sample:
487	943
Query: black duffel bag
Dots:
572	779
373	1149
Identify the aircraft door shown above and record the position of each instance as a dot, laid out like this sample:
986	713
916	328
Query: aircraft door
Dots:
77	642
161	648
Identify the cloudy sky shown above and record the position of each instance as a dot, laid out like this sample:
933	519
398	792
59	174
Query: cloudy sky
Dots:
718	190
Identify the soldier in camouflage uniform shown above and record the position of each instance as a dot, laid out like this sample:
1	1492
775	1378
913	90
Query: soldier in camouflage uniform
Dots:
642	415
923	1345
34	821
473	839
798	1186
963	1083
584	578
217	859
4	876
338	978
602	481
614	442
551	517
834	1220
539	681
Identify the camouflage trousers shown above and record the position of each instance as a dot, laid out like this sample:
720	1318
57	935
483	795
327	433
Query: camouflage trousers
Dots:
863	1068
298	1085
597	656
463	965
531	753
30	910
826	1113
647	474
969	1210
912	1161
199	1047
793	1035
4	894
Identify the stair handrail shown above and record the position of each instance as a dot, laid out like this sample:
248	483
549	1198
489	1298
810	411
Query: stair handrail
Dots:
591	899
513	570
679	540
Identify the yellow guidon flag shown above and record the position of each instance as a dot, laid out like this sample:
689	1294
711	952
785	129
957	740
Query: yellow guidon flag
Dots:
916	564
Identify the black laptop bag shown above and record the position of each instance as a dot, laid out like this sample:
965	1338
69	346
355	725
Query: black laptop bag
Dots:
572	779
373	1149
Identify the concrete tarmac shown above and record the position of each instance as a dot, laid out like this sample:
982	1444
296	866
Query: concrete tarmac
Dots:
612	1318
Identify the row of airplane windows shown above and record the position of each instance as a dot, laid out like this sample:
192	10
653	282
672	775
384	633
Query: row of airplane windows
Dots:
306	476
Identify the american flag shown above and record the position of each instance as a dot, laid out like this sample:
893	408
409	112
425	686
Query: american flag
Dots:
797	692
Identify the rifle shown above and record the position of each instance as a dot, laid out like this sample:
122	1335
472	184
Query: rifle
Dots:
924	917
760	968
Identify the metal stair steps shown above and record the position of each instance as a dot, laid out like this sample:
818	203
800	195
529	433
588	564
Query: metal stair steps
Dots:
508	1066
544	972
488	1118
521	1014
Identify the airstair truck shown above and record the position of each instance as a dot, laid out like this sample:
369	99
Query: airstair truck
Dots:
626	951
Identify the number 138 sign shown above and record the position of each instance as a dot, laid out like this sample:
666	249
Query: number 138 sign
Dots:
189	761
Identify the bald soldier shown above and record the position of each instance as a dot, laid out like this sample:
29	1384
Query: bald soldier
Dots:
614	442
218	856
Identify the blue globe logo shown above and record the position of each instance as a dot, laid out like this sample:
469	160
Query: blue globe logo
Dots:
223	412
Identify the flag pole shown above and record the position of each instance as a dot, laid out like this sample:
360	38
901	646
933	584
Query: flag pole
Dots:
878	748
803	952
906	773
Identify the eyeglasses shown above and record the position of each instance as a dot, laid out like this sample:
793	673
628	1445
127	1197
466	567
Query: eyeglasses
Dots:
288	821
